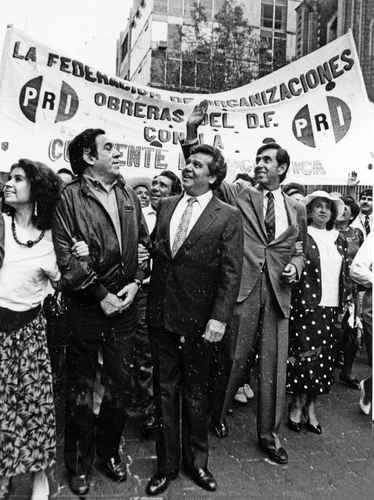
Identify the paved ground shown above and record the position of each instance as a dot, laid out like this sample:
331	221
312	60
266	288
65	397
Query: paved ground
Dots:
339	464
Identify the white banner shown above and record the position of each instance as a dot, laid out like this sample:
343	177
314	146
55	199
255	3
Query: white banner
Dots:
315	107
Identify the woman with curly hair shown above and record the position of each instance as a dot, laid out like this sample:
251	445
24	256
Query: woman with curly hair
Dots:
27	264
315	303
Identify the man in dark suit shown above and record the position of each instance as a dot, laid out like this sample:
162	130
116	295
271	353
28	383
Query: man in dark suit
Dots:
197	258
272	224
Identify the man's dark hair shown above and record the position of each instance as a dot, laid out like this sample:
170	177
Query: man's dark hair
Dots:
217	166
86	140
332	206
350	202
176	185
366	192
45	188
282	156
293	188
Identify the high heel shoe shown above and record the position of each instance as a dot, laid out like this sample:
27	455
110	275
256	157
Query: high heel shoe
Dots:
316	429
5	484
294	426
40	486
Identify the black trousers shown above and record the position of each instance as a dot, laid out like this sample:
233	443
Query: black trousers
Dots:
181	381
97	345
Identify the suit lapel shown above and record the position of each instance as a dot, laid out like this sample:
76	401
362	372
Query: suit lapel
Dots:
253	197
202	224
292	220
165	224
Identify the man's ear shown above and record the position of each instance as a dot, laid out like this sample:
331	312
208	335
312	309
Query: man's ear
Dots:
88	156
282	169
212	179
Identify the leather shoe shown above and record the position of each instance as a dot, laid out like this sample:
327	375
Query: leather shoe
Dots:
149	427
219	428
115	468
278	455
158	483
316	429
79	484
203	478
294	426
350	382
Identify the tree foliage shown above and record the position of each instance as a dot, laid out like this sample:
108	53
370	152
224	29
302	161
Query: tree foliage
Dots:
225	53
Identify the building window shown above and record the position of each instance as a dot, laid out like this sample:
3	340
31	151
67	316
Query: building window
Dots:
124	47
160	7
188	73
158	67
218	4
207	6
173	75
174	38
176	8
274	15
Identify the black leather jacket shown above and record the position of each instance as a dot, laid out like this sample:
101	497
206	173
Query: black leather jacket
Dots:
80	215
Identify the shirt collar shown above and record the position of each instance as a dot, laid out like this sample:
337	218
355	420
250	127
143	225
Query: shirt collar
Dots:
277	193
97	184
202	199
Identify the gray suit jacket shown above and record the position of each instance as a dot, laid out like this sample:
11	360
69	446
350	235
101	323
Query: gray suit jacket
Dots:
258	253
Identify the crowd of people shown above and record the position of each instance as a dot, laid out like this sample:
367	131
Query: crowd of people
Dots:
177	291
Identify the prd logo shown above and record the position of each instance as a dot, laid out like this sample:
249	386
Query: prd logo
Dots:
33	96
307	126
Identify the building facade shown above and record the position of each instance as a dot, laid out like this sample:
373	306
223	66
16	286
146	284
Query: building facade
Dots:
152	49
320	21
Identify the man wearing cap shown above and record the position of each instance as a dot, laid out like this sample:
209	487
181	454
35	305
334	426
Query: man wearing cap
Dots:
100	209
272	224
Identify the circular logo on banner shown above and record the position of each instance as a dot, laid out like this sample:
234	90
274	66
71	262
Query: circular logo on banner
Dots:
306	126
62	105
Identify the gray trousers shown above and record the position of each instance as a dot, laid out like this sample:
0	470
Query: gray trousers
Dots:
259	327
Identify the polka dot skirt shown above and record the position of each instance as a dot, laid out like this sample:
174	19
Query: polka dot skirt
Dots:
312	350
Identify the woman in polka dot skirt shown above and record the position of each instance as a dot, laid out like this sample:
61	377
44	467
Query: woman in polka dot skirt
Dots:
315	304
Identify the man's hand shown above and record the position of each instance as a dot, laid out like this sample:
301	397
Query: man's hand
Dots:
80	249
299	248
111	305
214	331
128	294
289	274
143	254
195	119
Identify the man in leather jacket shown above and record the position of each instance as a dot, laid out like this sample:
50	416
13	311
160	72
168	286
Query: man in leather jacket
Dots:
100	209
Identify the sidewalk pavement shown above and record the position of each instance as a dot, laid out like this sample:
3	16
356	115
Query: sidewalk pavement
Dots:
339	464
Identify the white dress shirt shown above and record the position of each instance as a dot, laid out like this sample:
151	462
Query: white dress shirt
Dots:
197	210
359	222
362	265
150	216
330	262
281	219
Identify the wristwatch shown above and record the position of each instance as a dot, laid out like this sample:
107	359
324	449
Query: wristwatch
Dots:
138	282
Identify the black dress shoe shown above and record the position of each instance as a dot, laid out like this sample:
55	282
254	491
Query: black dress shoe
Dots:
79	484
278	455
316	429
149	427
350	382
294	426
203	478
219	429
159	483
115	468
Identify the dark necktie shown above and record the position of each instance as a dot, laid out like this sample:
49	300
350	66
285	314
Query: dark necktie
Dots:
183	226
367	224
270	217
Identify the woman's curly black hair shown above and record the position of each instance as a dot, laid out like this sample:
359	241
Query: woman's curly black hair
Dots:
45	189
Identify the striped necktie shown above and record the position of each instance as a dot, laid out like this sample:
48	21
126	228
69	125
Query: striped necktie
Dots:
182	229
270	217
367	224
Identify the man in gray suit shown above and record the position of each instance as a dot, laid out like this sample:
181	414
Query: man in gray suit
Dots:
272	224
